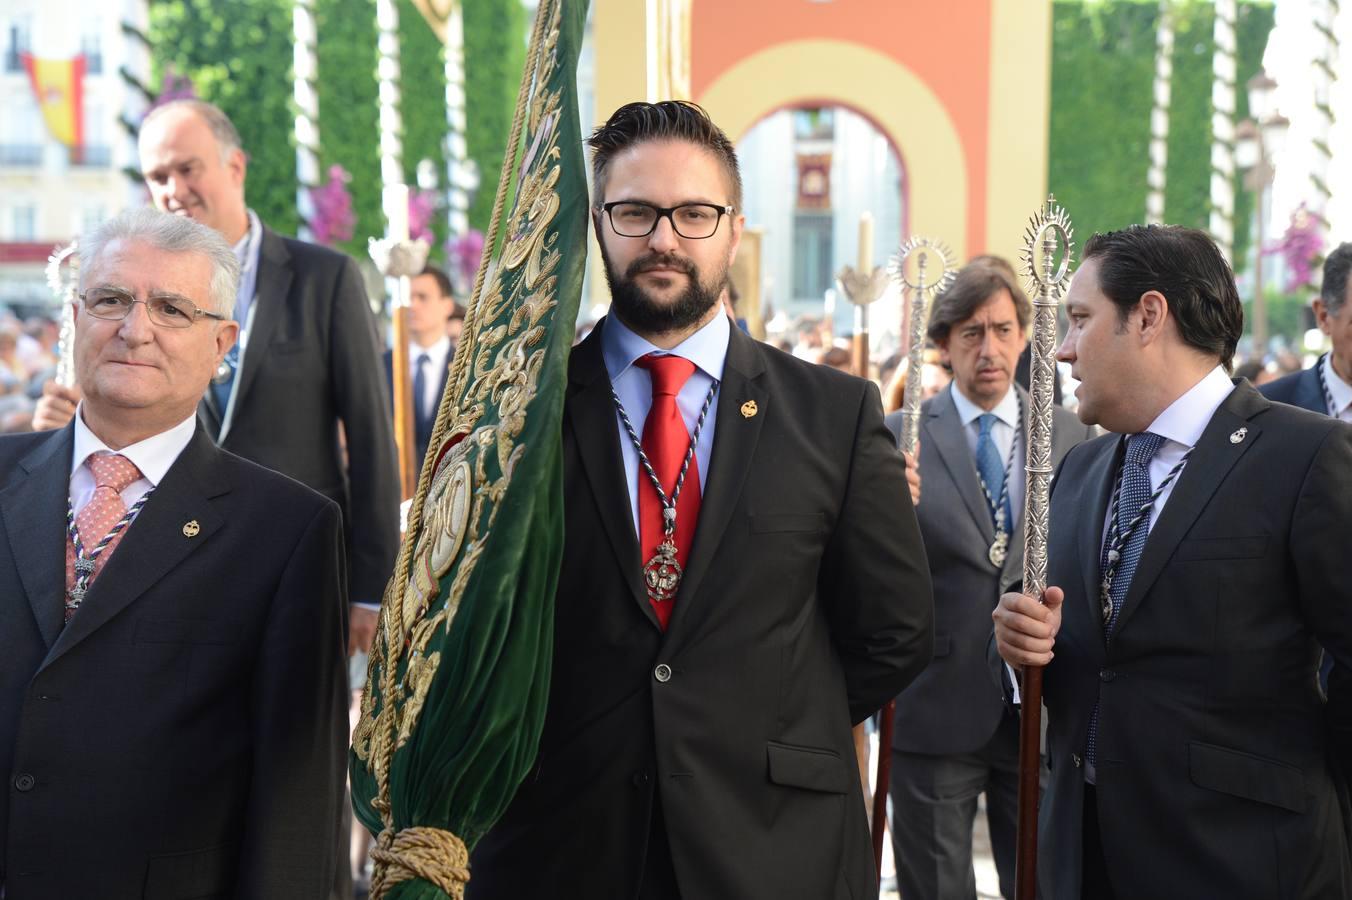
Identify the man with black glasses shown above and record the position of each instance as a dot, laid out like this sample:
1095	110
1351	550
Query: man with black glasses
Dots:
742	580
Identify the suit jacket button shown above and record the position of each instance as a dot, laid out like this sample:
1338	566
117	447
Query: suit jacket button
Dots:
25	782
662	673
640	779
1075	760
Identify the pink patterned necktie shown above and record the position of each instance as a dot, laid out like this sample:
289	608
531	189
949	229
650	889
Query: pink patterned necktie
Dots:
112	473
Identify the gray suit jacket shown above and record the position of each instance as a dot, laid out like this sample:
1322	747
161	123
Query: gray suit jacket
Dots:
956	524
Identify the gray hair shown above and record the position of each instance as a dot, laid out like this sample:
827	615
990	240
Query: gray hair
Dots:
1334	289
227	138
173	234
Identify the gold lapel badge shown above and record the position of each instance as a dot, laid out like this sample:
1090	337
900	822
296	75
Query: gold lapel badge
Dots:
749	409
191	529
1239	435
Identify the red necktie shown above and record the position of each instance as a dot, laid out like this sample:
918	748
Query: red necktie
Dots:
666	442
112	474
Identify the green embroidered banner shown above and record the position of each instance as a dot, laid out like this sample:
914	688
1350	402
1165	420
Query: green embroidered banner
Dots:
459	675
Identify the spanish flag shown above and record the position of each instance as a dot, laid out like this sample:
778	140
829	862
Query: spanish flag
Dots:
58	85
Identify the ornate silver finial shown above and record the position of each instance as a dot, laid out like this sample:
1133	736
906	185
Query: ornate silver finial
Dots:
918	291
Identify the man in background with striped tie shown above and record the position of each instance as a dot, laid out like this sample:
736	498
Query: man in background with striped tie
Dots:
145	575
1196	563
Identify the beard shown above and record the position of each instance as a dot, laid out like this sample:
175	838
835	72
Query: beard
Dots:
645	315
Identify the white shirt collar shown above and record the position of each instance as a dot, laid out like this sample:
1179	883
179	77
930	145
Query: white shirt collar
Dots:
153	456
436	353
1007	410
1341	390
246	248
1186	418
706	348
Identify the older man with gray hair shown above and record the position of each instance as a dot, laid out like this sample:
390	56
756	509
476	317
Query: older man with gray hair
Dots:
132	613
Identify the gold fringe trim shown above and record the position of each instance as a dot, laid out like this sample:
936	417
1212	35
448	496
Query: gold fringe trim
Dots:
435	856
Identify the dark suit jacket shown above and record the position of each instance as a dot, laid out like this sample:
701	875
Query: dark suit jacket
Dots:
421	436
312	361
956	524
1215	744
805	605
184	735
1302	389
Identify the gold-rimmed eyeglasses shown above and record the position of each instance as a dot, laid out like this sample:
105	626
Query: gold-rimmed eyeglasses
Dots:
169	310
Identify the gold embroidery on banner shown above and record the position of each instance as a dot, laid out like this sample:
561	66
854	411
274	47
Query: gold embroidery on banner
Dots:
472	477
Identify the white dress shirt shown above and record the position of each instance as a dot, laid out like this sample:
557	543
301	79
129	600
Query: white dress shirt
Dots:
153	456
1002	434
1181	425
706	348
436	364
1339	390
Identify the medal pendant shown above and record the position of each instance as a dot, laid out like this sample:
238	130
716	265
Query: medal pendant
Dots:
1105	597
77	595
662	574
84	567
999	549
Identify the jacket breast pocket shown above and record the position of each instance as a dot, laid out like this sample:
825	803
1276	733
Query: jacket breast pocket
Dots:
185	631
203	874
1222	548
777	523
809	768
1248	776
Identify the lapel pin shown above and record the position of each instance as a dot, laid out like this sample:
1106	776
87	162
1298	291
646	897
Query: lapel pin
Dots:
191	529
749	409
1239	435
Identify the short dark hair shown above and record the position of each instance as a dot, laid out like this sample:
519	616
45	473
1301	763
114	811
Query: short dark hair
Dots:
222	129
667	120
974	284
1334	289
1183	264
441	278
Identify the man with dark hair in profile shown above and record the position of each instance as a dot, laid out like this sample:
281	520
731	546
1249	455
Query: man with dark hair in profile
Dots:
742	576
1326	387
955	739
1196	564
430	351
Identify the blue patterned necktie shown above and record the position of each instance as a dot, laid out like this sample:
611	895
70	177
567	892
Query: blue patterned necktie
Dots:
1133	493
992	469
420	417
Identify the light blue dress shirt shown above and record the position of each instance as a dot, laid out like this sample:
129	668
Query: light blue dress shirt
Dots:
706	348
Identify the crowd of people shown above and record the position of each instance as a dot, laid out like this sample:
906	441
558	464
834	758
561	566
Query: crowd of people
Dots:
197	536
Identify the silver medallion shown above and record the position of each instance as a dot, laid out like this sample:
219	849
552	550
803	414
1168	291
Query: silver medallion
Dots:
999	549
662	574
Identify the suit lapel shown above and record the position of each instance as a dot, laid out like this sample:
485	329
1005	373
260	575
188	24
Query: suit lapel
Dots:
1095	488
35	524
1310	393
154	543
591	414
1210	463
734	450
943	430
268	309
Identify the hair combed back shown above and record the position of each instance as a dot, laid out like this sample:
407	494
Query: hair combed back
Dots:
666	120
977	282
172	234
441	278
222	129
1183	264
1334	289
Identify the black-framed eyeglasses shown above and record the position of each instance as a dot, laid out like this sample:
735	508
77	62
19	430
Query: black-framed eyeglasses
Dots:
169	310
693	221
